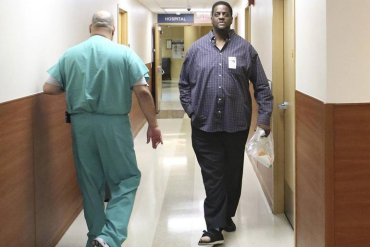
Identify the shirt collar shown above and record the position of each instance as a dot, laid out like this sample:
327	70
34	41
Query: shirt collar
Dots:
213	39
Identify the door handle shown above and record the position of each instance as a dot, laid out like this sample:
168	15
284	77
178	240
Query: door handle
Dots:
160	70
283	106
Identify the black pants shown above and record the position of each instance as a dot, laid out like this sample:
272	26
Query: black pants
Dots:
221	158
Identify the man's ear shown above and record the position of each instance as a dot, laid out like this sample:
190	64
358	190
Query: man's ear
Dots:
113	30
90	28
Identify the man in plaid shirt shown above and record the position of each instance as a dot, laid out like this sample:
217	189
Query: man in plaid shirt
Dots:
214	92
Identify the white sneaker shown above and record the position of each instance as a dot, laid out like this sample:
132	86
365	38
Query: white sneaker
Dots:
99	242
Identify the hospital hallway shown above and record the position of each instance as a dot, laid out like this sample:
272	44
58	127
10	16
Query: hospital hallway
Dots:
314	56
168	209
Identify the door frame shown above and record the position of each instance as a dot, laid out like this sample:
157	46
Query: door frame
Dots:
158	69
289	96
278	115
122	32
236	24
248	23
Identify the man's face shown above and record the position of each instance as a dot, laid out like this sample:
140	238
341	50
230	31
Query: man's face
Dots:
221	18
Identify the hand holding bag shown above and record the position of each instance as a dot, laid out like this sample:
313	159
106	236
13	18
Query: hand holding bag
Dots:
261	148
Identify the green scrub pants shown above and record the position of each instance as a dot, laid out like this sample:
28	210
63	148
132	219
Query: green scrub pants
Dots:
104	152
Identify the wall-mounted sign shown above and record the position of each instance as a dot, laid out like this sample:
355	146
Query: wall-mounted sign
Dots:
177	49
169	44
167	18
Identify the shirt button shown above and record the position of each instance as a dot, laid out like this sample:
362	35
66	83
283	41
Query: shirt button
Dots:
219	75
219	86
219	111
220	64
220	53
219	99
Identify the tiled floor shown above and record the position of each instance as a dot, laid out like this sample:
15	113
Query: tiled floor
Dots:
168	209
170	96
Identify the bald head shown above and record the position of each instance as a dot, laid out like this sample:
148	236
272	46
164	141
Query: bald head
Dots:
102	19
102	23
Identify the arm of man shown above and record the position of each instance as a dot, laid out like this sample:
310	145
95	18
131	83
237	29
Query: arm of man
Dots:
184	85
52	90
52	86
147	106
262	93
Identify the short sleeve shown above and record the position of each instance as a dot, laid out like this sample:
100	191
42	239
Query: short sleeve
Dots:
57	72
137	68
142	82
51	80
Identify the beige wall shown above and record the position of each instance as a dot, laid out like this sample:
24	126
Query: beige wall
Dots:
192	34
261	29
38	32
261	33
173	33
238	10
205	30
348	51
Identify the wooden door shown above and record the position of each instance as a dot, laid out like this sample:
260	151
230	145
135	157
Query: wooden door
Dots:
248	24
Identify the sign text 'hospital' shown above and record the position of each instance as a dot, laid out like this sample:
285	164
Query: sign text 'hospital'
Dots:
168	18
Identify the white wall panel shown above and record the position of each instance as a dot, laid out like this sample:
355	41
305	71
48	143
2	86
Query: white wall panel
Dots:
348	51
36	33
311	63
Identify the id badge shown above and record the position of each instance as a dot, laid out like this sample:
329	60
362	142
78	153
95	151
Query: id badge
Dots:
232	62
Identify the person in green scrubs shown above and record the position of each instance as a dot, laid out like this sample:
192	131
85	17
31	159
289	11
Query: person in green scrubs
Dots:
98	77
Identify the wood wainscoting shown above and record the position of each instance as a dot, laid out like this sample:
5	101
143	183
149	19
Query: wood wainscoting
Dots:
332	173
40	197
39	191
310	172
352	175
17	200
58	199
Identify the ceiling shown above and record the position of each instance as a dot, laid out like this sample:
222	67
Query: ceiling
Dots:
158	6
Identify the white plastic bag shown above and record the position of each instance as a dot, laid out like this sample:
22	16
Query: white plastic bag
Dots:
261	148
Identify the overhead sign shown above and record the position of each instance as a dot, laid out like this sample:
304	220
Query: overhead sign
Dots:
203	17
168	18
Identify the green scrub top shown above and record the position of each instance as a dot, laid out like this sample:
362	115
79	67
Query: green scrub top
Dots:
97	76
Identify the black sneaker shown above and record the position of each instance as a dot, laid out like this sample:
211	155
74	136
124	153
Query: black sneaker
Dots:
230	226
214	237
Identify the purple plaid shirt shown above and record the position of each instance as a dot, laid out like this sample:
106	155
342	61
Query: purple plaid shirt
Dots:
214	85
